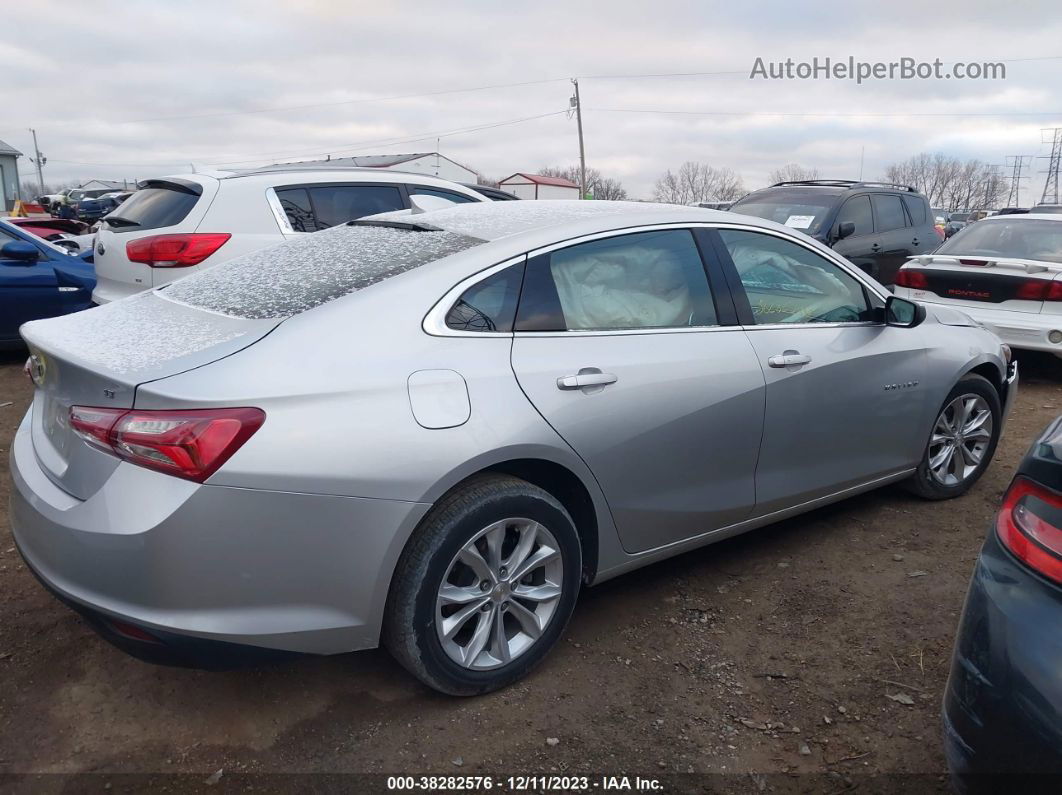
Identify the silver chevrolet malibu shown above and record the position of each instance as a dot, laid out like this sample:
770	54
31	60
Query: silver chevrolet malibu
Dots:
431	430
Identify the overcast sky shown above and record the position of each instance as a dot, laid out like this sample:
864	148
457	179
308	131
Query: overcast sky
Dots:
130	90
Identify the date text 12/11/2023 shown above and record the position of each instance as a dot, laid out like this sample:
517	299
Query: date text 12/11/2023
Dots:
523	783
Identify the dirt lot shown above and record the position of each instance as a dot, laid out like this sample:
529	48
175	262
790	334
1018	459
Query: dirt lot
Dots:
773	653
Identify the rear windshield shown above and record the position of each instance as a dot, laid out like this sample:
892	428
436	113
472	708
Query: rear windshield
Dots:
313	269
1022	238
153	208
799	210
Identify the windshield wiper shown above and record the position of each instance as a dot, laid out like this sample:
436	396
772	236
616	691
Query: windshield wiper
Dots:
117	220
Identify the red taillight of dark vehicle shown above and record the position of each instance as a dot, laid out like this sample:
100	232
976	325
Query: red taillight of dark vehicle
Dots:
906	277
175	251
1030	525
190	444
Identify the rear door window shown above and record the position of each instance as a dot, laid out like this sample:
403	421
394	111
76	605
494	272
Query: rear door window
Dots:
916	208
296	204
337	204
857	211
889	212
154	208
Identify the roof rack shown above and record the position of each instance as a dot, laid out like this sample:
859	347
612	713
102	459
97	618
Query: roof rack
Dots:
843	183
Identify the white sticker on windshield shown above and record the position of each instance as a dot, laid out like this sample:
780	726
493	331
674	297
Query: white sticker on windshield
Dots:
800	221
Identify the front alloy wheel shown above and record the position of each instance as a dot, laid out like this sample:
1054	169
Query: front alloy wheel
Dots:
960	439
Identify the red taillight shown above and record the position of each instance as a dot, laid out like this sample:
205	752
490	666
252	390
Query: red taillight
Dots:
175	251
1030	526
1031	290
939	229
1054	291
907	277
190	444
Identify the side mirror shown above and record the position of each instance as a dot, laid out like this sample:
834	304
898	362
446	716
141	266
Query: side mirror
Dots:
845	229
20	251
903	313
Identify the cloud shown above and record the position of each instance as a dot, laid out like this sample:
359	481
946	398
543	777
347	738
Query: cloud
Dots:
102	82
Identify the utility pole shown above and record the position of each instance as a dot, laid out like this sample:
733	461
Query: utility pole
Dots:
1017	165
582	152
38	161
1050	195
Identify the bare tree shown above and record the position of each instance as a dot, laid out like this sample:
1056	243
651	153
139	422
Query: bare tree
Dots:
951	183
698	182
483	179
792	172
598	185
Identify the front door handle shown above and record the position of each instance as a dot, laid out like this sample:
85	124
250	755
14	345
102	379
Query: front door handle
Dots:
875	248
788	359
587	377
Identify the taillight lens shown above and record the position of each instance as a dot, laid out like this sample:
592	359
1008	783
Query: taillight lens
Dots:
1054	291
175	251
189	444
907	277
1030	526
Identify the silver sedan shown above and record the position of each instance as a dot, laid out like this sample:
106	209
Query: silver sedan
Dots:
431	430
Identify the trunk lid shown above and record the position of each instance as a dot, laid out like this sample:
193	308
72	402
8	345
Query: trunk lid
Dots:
981	281
99	356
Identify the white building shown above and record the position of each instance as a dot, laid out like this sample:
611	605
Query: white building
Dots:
431	163
535	186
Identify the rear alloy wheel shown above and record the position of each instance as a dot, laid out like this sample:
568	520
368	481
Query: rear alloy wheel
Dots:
962	441
485	586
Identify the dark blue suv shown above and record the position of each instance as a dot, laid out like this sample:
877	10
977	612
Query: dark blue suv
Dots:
875	225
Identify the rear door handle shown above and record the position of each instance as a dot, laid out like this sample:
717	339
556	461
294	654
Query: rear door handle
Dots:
585	379
788	359
914	242
875	248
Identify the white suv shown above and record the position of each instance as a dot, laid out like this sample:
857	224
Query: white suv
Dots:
174	226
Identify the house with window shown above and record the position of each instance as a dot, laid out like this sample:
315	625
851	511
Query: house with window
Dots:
536	186
8	176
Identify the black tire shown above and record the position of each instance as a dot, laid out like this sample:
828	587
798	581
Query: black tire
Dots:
409	629
923	483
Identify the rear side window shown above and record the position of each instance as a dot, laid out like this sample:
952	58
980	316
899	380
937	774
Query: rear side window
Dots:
857	211
637	281
889	212
916	208
449	195
154	208
311	270
489	305
311	209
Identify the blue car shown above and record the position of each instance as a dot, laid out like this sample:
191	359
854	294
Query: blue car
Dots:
39	280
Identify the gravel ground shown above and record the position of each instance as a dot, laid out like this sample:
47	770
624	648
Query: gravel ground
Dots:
772	658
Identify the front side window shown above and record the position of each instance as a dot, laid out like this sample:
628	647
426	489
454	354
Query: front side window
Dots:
489	305
889	212
787	283
857	211
636	281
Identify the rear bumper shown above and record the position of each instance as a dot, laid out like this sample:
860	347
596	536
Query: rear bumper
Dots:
1003	702
212	564
1018	329
108	290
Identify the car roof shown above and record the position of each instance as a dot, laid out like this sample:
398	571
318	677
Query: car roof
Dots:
497	220
273	175
1023	217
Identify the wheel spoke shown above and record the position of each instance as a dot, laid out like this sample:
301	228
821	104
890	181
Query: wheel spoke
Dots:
458	595
962	410
972	457
542	555
939	438
938	461
470	556
495	539
499	643
978	435
480	637
537	593
977	421
528	536
528	620
451	625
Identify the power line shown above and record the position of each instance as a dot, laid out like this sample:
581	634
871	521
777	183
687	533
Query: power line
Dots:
828	115
325	149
